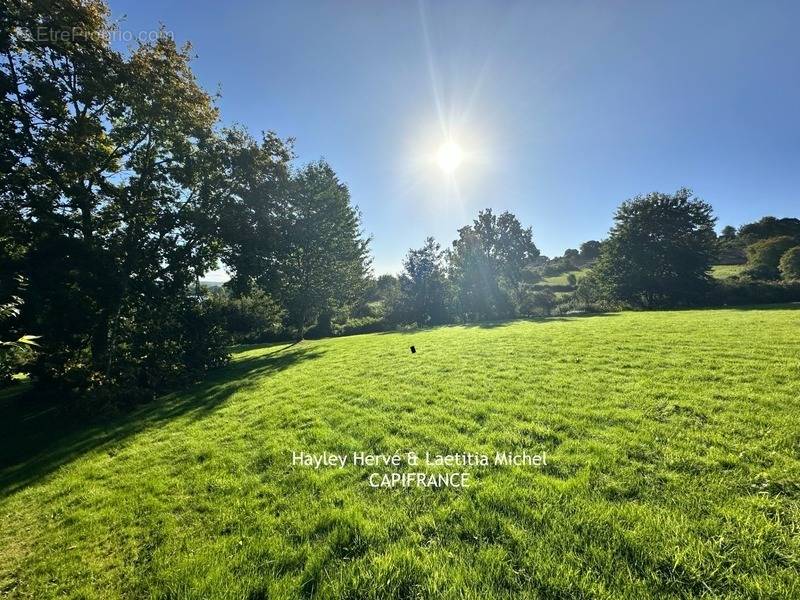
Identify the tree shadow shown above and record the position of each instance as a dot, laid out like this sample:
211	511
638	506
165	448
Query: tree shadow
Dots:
38	436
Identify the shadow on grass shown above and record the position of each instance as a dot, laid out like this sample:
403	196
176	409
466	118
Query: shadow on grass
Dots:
37	436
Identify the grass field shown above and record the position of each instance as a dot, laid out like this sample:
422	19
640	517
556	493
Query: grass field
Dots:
561	280
725	271
672	444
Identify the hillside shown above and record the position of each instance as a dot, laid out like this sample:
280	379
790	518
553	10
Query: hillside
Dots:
671	443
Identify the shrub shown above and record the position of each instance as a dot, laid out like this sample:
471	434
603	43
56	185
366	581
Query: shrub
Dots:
764	256
790	264
361	325
249	318
537	302
733	292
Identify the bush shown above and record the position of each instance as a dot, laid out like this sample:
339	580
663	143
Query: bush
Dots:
537	303
250	318
732	292
790	264
764	256
361	325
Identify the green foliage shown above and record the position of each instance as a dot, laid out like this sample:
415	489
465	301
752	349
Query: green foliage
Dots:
112	190
423	287
590	250
248	318
316	259
790	264
769	227
671	441
357	325
763	257
15	352
488	265
745	291
659	251
536	302
728	233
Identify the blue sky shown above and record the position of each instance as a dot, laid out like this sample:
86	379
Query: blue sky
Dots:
562	109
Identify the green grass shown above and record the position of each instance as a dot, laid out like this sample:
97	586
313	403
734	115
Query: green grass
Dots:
725	271
561	280
673	470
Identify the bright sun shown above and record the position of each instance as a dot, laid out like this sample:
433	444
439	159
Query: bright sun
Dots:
449	156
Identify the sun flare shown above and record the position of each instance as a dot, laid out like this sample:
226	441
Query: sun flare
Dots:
449	156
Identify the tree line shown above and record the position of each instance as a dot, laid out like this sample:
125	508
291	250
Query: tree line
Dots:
120	188
659	254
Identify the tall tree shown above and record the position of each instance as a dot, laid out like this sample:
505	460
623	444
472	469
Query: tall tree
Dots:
423	286
110	179
590	250
659	251
251	226
488	264
324	257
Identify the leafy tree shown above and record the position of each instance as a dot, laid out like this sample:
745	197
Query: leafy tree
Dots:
730	247
769	227
423	295
323	258
489	263
659	251
111	185
763	257
790	264
590	250
728	233
251	226
251	317
386	287
571	254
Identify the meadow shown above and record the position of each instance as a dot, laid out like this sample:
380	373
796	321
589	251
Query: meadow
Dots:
673	469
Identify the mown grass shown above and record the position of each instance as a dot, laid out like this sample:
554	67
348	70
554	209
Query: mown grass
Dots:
561	280
673	470
725	271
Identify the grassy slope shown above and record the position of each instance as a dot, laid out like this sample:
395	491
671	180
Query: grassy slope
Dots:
725	271
717	271
673	470
561	280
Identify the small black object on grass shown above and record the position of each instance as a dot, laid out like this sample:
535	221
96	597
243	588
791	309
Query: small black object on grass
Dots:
413	350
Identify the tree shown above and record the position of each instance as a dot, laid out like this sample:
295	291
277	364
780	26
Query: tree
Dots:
590	250
323	257
764	256
251	227
111	185
249	318
489	263
769	227
728	233
730	247
790	264
659	251
423	286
